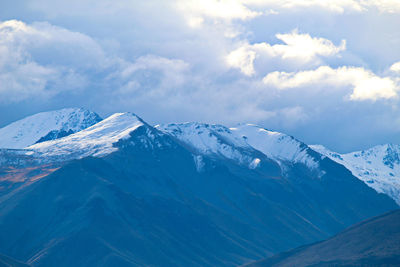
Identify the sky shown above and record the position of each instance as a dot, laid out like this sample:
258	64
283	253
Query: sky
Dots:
326	72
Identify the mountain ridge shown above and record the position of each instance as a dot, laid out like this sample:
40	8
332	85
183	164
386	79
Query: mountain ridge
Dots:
236	143
373	242
378	167
46	126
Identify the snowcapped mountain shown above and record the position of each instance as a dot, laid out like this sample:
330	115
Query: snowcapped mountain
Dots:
276	145
247	144
378	167
175	195
46	126
239	143
213	140
76	133
72	133
96	140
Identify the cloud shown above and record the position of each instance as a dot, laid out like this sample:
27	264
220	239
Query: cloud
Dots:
24	81
292	116
150	76
226	9
395	67
364	84
249	9
332	5
305	47
389	6
243	59
41	60
337	6
297	48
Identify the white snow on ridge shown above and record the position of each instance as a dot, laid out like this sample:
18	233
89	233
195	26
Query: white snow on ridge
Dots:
203	137
378	167
275	145
233	143
209	140
96	140
29	130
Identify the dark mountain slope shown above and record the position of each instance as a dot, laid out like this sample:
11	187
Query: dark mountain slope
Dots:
374	242
148	205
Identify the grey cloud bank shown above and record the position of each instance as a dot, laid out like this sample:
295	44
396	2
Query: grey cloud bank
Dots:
325	73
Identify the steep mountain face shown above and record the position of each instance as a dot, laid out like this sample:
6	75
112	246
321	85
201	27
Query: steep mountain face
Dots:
374	242
215	141
176	195
378	167
242	143
46	126
96	140
278	146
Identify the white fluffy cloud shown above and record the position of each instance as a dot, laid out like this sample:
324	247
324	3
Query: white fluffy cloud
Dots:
243	59
226	9
389	6
305	47
364	84
395	67
297	48
247	9
151	77
332	5
339	6
42	60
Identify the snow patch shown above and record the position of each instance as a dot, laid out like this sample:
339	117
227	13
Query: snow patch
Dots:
254	164
199	162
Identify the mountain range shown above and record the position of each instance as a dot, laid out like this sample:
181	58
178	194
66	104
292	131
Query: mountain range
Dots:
80	190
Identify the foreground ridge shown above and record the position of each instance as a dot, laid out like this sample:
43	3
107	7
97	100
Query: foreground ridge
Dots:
374	242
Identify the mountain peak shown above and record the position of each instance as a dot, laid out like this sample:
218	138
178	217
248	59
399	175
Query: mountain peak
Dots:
275	145
203	137
211	140
96	140
45	126
241	143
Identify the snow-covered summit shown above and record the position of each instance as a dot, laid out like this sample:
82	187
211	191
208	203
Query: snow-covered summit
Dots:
378	167
46	126
206	138
275	145
212	140
241	143
96	140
